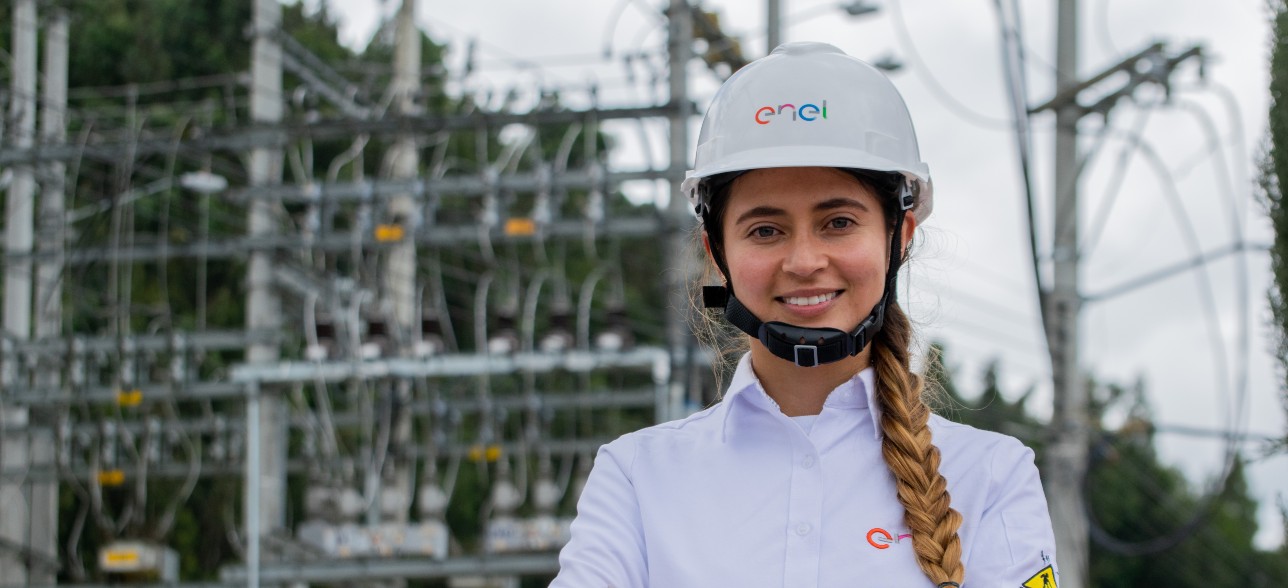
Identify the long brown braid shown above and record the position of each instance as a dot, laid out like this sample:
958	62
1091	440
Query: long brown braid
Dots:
910	455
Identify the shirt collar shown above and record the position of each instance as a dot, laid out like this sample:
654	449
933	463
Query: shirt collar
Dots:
857	392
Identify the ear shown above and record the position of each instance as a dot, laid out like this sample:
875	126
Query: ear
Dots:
909	228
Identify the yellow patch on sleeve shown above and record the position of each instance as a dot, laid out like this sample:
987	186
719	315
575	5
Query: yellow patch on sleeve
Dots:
1045	578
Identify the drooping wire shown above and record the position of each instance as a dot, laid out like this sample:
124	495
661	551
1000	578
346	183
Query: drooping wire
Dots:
1227	187
1209	503
1110	196
1017	90
936	88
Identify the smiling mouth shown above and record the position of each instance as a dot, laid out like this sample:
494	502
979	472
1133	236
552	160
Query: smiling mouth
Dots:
809	300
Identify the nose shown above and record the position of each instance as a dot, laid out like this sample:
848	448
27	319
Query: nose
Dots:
805	256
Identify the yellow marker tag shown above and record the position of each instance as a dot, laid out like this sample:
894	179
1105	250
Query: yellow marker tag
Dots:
389	233
480	453
129	397
520	227
1043	579
111	477
121	557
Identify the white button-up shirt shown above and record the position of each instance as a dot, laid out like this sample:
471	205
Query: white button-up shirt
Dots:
742	496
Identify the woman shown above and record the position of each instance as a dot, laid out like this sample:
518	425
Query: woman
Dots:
822	465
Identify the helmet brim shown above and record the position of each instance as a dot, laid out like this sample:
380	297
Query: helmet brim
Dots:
814	156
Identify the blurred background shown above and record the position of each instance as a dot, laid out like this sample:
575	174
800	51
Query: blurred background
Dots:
347	292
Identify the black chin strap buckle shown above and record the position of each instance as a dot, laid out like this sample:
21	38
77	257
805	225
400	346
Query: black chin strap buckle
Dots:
806	347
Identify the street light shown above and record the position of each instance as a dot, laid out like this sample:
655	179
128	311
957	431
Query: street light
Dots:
860	7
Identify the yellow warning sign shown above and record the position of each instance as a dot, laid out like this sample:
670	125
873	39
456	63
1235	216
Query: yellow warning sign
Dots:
129	397
121	556
389	233
1045	578
520	227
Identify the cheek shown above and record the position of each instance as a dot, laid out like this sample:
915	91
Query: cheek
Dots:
749	270
868	269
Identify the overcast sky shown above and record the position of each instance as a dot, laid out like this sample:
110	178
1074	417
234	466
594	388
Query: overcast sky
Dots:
971	282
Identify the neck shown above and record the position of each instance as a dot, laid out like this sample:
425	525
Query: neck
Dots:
799	390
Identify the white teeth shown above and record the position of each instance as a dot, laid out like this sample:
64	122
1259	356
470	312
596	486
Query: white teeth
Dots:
808	300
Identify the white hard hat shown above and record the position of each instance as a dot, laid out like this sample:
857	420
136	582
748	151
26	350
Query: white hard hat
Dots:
804	105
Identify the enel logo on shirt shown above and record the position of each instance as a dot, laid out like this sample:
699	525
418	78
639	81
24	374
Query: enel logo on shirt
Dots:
806	112
881	538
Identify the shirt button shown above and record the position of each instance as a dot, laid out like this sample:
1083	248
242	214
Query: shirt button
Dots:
808	462
803	529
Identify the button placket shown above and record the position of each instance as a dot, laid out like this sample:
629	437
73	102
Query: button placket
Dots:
804	516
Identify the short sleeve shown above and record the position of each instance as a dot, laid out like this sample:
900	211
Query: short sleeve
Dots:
1015	543
607	545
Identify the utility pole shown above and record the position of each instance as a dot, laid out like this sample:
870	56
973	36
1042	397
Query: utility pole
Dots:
678	214
15	516
266	478
49	289
400	277
773	18
400	264
1067	456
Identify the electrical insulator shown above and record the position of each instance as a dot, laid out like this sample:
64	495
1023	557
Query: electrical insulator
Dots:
617	335
431	500
559	338
376	341
545	495
506	497
505	339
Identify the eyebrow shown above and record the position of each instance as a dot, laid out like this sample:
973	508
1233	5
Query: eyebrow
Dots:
829	204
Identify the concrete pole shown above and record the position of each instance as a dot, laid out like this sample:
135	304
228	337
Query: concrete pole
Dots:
20	204
400	279
774	24
49	291
1067	457
263	312
254	450
15	519
679	216
400	262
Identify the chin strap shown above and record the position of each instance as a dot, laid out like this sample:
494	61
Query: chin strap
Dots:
808	346
804	346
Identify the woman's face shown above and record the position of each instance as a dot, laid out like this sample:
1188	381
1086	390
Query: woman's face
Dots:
807	246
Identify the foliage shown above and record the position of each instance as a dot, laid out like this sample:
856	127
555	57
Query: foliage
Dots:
1274	173
1132	496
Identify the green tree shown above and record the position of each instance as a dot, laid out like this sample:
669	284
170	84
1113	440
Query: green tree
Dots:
1152	526
1274	172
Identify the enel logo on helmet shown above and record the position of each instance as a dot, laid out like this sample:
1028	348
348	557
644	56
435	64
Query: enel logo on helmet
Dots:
806	112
